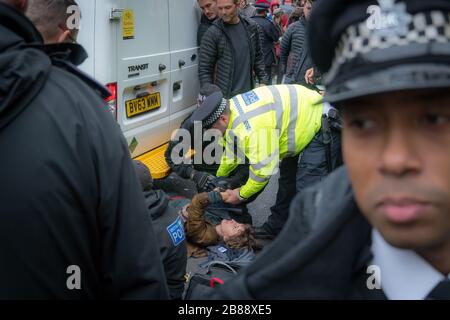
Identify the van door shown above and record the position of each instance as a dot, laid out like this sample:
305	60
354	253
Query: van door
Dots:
183	21
98	35
144	89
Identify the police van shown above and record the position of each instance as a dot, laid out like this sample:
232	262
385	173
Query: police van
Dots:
145	52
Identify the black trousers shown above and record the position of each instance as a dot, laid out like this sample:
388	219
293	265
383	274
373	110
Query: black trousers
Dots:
312	168
268	69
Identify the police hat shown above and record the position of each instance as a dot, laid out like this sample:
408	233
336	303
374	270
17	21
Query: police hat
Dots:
210	110
205	91
373	46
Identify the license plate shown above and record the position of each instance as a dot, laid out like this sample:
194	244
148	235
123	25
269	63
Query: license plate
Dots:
139	106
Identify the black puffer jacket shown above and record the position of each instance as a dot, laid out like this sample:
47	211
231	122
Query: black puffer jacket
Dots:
269	35
204	25
294	43
216	63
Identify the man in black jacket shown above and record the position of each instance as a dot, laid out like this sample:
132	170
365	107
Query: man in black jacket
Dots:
231	53
379	228
269	36
294	44
209	15
81	230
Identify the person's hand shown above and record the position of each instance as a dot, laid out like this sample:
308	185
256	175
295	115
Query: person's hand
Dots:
232	197
218	183
225	195
202	179
309	76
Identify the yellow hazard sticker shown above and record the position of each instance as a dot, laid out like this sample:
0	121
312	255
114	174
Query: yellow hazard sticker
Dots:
128	24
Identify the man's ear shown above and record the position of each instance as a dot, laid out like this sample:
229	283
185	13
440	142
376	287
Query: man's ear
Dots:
24	5
20	5
64	36
224	118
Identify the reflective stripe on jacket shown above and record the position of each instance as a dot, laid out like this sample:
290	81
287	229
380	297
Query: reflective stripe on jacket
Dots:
269	124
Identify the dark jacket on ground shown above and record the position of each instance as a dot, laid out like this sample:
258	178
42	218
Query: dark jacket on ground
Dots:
217	59
169	230
295	43
237	179
322	253
269	35
204	25
69	194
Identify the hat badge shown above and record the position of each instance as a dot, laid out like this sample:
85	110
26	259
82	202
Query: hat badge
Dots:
388	18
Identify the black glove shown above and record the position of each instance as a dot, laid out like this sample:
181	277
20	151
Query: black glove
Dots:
201	179
183	170
221	183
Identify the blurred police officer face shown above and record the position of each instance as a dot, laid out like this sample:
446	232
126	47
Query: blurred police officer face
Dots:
209	8
228	10
397	150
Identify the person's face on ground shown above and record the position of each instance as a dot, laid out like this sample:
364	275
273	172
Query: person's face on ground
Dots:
228	10
231	229
209	8
307	10
397	150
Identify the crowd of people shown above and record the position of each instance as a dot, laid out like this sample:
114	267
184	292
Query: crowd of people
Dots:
276	47
387	205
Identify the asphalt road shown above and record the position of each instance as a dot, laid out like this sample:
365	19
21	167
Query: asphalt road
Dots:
260	208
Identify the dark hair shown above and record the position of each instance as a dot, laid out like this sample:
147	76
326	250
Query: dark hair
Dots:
260	11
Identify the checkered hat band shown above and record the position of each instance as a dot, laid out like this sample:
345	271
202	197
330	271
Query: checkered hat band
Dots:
426	27
216	115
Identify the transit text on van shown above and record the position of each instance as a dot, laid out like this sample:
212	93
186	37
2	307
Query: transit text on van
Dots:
140	67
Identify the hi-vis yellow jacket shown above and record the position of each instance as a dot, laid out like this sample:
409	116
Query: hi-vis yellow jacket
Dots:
267	125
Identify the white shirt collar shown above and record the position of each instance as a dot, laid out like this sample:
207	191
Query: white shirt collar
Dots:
405	275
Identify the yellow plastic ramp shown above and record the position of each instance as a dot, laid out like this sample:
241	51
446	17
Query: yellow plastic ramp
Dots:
156	162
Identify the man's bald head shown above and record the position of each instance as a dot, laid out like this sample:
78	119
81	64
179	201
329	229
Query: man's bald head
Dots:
20	5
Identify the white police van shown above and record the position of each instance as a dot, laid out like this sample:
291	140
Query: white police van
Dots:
145	51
